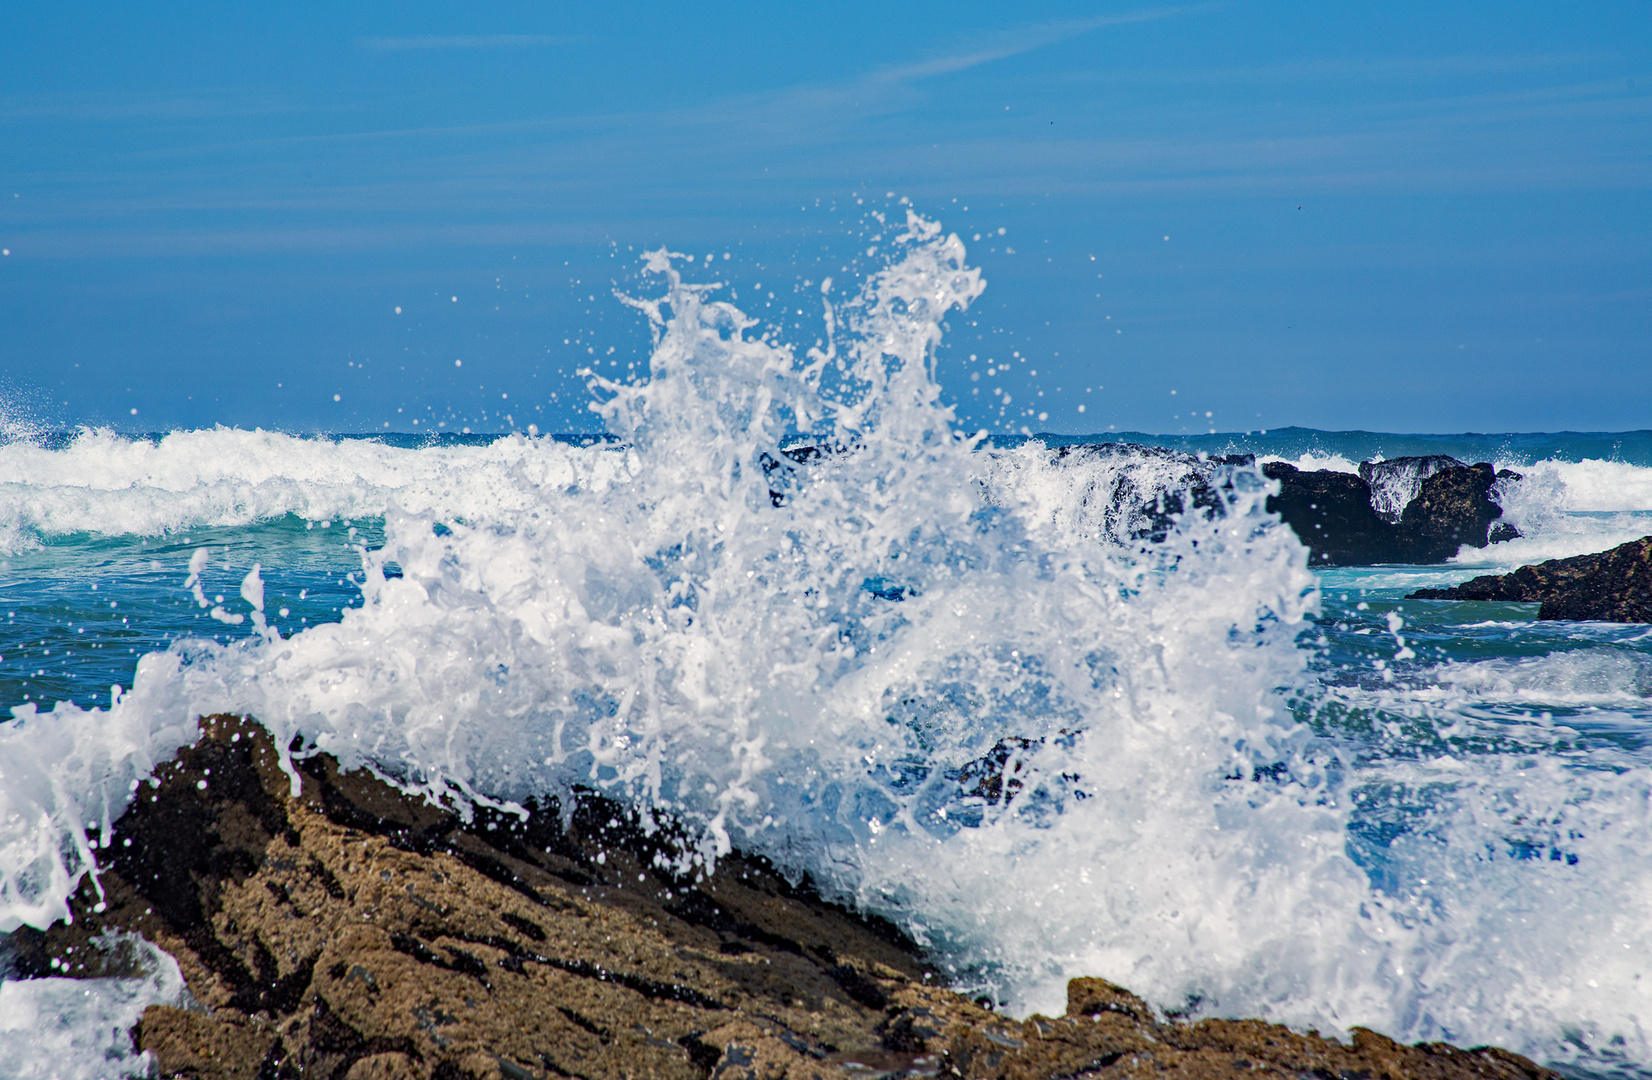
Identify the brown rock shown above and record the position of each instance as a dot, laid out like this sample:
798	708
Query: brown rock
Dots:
1611	586
1453	507
358	934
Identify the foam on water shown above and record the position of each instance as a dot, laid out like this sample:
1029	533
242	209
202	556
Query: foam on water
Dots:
80	1029
1565	508
1597	678
105	483
955	686
1314	462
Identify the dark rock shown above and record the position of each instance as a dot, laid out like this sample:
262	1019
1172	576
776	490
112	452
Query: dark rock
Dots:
354	932
1453	507
1333	513
1612	586
1396	481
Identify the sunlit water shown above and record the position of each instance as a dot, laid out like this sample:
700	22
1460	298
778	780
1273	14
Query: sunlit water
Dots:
1237	786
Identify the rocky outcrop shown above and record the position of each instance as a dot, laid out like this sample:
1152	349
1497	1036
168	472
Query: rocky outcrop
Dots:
1612	586
354	933
1331	514
1403	510
1334	513
1396	481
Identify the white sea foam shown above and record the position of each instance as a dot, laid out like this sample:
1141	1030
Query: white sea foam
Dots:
1597	678
80	1029
1565	508
1314	462
1115	493
814	661
1587	486
105	483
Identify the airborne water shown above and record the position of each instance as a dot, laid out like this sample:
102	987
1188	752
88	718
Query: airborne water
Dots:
946	678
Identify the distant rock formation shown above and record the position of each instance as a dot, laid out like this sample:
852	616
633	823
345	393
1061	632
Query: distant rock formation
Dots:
1403	510
355	933
1341	518
1396	481
1612	586
1331	513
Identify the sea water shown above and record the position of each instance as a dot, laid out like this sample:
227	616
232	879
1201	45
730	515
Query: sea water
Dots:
957	681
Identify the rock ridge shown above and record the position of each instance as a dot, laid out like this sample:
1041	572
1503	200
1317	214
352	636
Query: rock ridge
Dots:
356	933
1609	586
1337	516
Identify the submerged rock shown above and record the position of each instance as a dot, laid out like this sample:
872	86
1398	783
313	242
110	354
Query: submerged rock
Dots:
1611	586
354	932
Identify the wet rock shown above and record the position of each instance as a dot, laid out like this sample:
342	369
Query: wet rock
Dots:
1334	514
1331	514
1452	509
1611	586
1396	481
1107	1031
354	933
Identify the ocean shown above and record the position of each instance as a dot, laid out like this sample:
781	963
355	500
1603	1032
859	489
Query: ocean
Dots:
951	678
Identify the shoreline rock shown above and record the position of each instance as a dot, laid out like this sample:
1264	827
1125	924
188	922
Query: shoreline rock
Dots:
353	932
1609	586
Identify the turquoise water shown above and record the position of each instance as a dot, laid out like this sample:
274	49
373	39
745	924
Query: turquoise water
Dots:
80	610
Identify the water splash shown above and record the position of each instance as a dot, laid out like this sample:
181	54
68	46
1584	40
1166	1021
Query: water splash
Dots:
995	695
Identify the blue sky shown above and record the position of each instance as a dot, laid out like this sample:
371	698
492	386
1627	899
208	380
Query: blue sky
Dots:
1398	216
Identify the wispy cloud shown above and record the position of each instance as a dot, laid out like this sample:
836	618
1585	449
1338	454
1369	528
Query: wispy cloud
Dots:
1026	39
1351	70
464	41
206	105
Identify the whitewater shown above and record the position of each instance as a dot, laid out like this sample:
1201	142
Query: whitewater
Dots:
789	602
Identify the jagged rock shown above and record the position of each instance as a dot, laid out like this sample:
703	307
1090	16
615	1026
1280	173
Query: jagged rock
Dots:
1396	481
1452	508
1611	586
354	933
1333	513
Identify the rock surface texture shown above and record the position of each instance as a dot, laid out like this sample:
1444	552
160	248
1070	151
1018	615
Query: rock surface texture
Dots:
1333	513
1612	586
353	933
